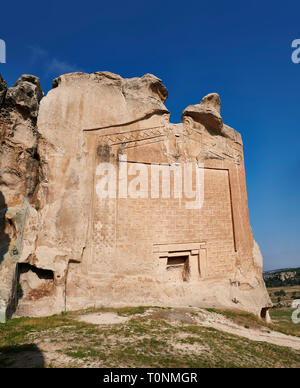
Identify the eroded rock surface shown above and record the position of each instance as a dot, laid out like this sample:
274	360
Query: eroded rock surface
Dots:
76	249
3	89
19	175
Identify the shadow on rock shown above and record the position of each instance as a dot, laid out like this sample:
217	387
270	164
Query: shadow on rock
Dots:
4	237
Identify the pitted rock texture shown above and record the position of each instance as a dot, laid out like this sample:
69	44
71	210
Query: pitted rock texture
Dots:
25	95
19	174
2	89
75	249
207	112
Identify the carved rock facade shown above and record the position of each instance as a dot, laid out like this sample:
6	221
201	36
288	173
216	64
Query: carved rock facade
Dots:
73	248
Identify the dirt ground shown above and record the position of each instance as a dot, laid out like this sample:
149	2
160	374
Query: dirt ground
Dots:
147	337
201	318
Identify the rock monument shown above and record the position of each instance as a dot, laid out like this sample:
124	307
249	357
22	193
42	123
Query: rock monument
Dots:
104	202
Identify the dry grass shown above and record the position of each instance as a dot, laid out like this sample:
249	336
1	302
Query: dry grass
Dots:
164	338
292	292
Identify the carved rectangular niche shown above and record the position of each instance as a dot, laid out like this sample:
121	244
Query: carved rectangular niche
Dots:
181	262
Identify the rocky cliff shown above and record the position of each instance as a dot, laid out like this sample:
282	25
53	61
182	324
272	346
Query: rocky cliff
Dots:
63	247
19	178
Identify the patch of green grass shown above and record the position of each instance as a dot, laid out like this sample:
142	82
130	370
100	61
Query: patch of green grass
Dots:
140	342
241	317
132	310
83	353
122	311
282	321
157	348
211	310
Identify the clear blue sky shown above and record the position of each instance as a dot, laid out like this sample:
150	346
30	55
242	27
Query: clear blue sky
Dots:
242	50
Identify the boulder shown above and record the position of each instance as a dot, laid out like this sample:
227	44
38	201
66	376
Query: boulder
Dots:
25	95
207	112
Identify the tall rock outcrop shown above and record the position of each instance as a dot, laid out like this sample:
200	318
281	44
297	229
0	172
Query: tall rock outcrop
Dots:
140	244
19	176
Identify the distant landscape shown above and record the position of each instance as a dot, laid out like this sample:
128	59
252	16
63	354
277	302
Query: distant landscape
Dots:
282	277
283	285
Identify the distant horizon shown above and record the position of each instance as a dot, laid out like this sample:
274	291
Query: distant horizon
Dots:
280	269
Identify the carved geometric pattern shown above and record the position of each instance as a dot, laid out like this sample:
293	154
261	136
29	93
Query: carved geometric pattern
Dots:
132	136
221	152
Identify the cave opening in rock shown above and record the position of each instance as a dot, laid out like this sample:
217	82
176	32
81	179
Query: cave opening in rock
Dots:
29	281
41	273
30	276
180	263
177	260
264	313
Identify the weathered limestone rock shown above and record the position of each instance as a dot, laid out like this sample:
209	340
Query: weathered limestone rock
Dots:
2	89
25	95
143	244
207	112
19	176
